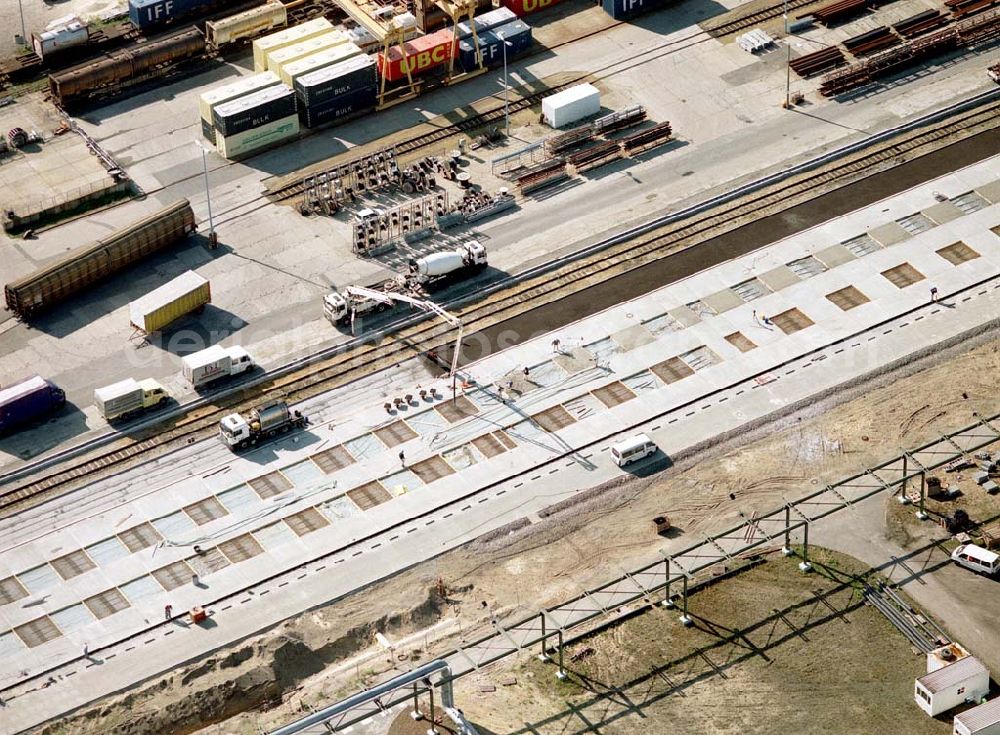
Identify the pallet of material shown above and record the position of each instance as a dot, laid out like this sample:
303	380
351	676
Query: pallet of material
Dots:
818	62
920	23
647	139
839	11
878	39
994	72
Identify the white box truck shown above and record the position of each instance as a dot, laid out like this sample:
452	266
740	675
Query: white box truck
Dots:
128	398
215	363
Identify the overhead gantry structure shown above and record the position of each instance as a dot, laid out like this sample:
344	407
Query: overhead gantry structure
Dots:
383	22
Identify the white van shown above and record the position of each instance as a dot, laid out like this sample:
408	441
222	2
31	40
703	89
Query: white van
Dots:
632	450
977	559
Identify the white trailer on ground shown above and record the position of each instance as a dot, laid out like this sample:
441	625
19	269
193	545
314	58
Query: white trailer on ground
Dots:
966	680
981	720
215	363
128	398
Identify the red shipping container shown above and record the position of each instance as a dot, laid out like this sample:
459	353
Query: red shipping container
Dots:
422	54
526	7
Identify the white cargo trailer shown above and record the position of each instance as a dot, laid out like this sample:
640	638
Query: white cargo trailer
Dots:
966	680
571	105
981	720
214	363
128	398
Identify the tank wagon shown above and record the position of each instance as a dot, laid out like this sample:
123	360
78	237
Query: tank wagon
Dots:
127	67
91	263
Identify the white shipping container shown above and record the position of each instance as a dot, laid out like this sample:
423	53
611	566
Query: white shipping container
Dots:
242	144
278	58
246	24
290	72
234	90
61	33
570	105
296	34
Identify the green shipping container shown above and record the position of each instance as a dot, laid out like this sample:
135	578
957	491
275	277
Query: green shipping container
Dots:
186	293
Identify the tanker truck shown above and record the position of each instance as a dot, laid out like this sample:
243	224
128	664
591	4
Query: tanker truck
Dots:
240	431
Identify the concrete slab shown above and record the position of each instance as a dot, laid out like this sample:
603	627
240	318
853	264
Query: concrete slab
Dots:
990	191
942	212
779	278
888	234
834	255
722	301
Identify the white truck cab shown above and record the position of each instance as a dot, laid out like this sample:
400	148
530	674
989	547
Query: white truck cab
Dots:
234	429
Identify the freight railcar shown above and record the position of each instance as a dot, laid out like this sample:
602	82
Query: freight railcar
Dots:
127	67
91	263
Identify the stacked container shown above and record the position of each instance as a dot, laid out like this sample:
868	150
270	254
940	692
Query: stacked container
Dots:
422	55
227	93
250	123
279	57
288	37
527	7
624	9
491	43
341	52
485	22
336	92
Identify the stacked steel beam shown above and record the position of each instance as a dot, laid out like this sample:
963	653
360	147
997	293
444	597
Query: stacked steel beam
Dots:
818	62
646	139
839	11
867	43
916	25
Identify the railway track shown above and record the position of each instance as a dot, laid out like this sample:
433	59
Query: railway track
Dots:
508	301
730	26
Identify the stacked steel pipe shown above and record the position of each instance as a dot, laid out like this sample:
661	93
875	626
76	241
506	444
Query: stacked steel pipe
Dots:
548	173
646	139
920	23
868	43
964	8
595	156
839	11
818	62
963	33
569	139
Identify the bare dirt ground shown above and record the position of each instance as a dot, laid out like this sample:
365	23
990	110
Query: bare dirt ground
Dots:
327	653
770	650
